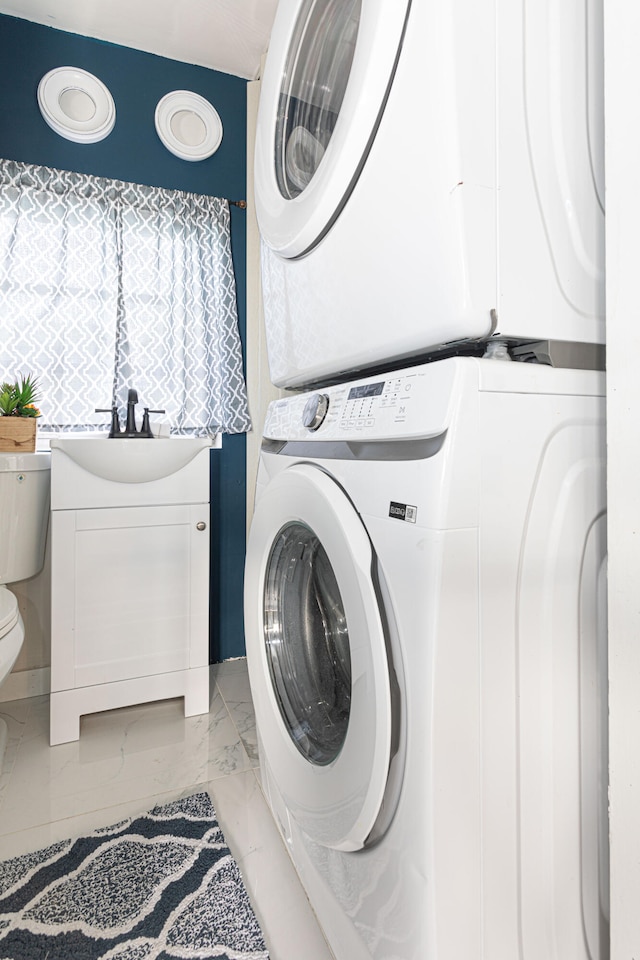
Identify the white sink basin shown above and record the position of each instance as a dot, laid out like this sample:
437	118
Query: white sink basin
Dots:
131	460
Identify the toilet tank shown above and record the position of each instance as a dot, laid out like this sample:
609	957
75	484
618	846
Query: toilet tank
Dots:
24	513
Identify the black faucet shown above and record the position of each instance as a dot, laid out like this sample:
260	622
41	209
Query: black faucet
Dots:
130	428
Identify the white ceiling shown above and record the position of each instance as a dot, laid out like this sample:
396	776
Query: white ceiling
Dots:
226	35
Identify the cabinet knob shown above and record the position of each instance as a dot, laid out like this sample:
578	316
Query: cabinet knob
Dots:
201	525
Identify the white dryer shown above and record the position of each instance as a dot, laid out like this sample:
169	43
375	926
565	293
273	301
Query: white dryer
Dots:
427	174
425	626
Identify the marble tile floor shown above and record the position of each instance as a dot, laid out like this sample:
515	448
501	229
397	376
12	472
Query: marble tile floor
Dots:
128	760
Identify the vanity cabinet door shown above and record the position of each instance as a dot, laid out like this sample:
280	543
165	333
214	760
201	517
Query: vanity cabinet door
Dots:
130	593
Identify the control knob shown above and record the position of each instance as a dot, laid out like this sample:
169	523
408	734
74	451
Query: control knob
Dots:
315	410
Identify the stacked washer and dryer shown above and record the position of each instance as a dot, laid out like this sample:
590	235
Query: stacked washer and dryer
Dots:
425	593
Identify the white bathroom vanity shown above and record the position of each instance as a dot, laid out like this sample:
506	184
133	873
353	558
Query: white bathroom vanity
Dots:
130	576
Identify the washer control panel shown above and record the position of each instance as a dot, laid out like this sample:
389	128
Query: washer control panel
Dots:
365	402
410	403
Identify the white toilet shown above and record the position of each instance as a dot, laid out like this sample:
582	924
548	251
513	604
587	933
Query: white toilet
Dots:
24	513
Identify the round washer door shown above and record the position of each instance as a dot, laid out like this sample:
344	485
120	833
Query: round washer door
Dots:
317	656
329	70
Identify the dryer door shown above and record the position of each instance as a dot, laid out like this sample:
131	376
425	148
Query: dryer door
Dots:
329	69
317	657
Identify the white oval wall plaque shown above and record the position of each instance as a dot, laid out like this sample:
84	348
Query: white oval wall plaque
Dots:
76	104
188	125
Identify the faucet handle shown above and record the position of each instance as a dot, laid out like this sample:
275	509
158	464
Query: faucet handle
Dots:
145	429
115	422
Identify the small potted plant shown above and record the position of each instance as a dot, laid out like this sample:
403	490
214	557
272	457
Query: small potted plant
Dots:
18	415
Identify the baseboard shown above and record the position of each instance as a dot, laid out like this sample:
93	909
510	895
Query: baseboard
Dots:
26	683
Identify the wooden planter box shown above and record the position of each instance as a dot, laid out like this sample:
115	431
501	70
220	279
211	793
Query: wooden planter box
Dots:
17	434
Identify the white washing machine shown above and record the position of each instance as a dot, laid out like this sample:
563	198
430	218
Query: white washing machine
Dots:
433	170
425	625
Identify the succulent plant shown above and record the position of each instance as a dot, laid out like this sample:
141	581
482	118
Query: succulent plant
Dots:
18	399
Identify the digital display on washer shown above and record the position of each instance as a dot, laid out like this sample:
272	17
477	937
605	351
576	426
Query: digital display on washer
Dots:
366	390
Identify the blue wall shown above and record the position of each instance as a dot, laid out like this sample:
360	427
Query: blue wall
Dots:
133	152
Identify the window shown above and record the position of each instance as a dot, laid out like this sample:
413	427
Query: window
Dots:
106	285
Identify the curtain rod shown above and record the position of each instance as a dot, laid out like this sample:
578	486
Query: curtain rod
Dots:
238	203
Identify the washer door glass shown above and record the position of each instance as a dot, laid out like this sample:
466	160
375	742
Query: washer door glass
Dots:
314	84
307	641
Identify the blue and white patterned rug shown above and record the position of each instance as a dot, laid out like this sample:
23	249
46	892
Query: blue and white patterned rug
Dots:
163	886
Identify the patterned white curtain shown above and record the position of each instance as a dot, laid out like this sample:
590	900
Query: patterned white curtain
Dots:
106	285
